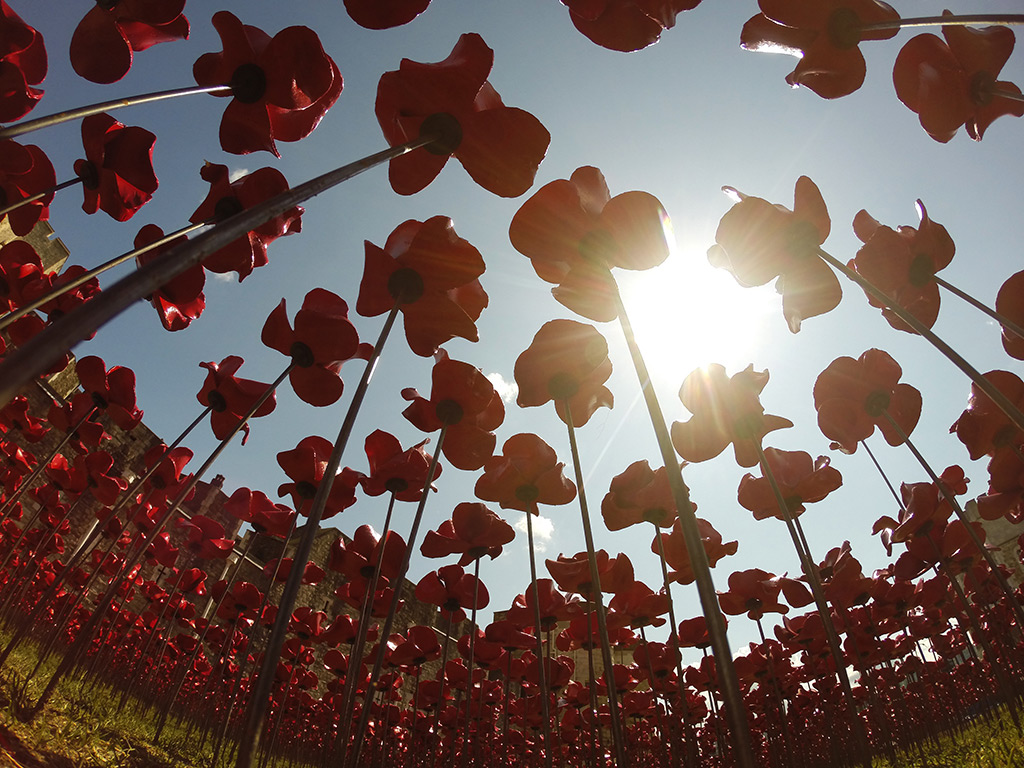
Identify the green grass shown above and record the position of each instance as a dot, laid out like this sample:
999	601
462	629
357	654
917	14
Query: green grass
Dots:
984	744
83	729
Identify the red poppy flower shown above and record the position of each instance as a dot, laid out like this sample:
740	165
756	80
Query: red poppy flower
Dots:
205	539
640	494
463	400
226	198
573	231
72	299
572	574
1005	497
566	362
22	65
1010	304
526	475
983	427
168	475
305	465
852	397
181	300
15	415
89	473
801	481
104	41
902	263
111	391
384	14
27	328
641	606
947	546
677	556
230	397
357	558
256	508
725	410
923	507
280	569
500	147
117	173
21	275
432	273
25	171
758	242
64	417
403	473
953	83
322	339
823	35
281	86
453	590
754	592
625	25
554	607
473	531
420	647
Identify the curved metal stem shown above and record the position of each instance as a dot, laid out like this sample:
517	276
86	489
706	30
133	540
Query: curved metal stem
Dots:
20	129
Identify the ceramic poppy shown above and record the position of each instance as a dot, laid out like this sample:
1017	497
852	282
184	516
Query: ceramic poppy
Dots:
25	171
117	172
281	87
500	147
181	300
22	65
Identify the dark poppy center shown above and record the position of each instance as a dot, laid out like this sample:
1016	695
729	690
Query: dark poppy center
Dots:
88	173
922	270
157	482
227	207
216	401
527	493
747	426
396	484
446	132
981	88
802	240
654	514
248	83
107	5
449	412
98	400
302	355
3	198
562	386
844	28
305	489
876	403
5	287
793	503
598	247
1004	436
476	552
405	285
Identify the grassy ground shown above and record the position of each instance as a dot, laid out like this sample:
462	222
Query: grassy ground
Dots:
986	744
82	729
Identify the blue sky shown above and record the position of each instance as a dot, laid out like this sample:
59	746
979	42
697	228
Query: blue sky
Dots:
679	120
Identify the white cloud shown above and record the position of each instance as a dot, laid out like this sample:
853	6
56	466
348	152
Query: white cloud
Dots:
238	173
223	277
543	530
508	390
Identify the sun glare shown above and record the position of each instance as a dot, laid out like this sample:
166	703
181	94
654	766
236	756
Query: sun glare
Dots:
687	314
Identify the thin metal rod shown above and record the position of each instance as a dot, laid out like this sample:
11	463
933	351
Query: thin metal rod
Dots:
85	277
389	621
885	477
960	20
541	671
257	710
1013	413
595	596
1002	320
20	129
40	195
29	361
728	681
1002	93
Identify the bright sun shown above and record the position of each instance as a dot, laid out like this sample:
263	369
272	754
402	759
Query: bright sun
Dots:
687	314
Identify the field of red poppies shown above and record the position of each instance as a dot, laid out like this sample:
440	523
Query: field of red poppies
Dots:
148	618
